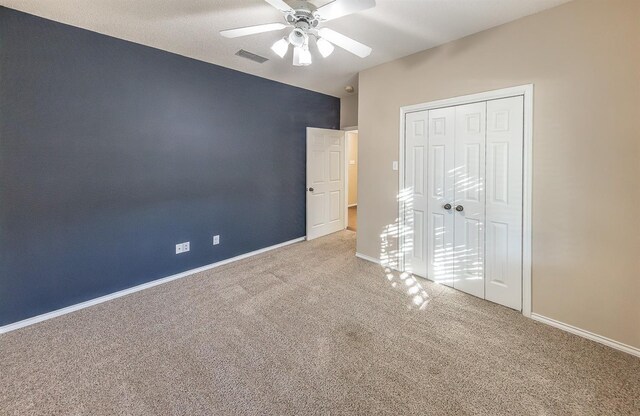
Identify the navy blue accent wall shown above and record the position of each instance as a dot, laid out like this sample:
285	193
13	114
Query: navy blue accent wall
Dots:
112	152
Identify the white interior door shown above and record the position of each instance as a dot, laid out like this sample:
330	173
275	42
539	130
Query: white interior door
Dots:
469	213
325	182
415	207
441	195
503	270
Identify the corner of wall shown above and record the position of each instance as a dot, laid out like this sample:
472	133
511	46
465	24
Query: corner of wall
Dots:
349	111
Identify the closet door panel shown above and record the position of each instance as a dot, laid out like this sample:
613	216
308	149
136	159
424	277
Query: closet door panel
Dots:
469	223
503	271
440	192
415	244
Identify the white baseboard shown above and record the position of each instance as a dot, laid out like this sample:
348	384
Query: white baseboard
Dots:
105	298
588	335
367	258
374	260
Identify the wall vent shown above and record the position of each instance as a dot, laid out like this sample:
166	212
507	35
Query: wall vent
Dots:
251	56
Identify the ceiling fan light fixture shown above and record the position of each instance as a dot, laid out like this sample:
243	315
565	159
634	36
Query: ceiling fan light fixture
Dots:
325	47
281	47
305	57
296	56
298	38
301	56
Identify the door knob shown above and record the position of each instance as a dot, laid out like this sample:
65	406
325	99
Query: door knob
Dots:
310	189
447	206
459	208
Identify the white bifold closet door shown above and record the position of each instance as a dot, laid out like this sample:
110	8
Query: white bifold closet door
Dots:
468	201
440	177
415	215
455	225
505	145
466	197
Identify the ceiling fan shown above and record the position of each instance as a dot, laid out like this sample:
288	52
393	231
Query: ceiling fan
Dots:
305	18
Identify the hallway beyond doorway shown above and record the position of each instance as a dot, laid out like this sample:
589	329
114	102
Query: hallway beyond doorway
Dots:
352	220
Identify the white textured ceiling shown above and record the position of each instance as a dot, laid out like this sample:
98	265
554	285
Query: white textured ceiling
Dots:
394	28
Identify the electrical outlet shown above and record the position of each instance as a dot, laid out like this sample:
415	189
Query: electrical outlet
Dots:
182	247
216	240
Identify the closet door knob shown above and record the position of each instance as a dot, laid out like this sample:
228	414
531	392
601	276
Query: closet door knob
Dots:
447	206
459	208
310	189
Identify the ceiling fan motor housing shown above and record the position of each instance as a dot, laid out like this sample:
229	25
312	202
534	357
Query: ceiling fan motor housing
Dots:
303	14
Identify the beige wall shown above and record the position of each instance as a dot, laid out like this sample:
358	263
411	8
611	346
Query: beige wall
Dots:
584	59
349	111
352	157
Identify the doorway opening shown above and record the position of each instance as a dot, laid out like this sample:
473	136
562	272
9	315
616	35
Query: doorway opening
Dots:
352	180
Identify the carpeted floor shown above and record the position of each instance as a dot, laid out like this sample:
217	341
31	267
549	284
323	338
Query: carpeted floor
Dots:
308	329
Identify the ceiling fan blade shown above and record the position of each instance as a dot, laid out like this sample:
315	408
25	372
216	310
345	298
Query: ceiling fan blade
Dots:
252	30
345	42
280	5
339	8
